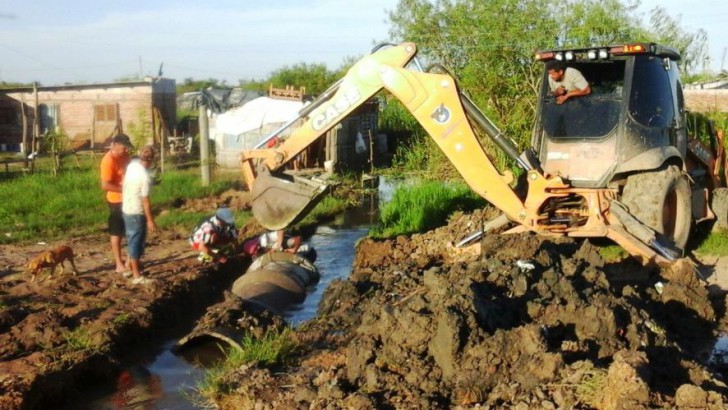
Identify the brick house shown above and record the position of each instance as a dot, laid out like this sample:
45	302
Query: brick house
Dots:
707	97
88	114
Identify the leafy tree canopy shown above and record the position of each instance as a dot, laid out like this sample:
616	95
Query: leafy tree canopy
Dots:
489	45
316	78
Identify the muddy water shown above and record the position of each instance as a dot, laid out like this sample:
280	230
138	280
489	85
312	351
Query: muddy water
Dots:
719	355
167	381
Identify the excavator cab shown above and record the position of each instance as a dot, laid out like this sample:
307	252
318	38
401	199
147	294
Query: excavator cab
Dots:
633	120
629	134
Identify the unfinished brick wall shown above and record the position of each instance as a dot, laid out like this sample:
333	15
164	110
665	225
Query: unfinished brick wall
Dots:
707	100
76	108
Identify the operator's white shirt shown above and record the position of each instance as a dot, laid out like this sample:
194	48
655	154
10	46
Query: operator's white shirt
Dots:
135	187
572	80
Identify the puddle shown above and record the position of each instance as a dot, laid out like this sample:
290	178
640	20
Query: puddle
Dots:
719	355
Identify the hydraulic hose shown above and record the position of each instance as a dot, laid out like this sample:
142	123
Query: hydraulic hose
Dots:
493	132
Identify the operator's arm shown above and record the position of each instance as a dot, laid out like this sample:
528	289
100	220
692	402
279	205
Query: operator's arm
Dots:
577	85
296	244
147	205
573	93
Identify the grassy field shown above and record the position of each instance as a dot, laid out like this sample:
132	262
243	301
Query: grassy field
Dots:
43	206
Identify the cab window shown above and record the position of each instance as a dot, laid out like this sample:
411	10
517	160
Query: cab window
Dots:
651	100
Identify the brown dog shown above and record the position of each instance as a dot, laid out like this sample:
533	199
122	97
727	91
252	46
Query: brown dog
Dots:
51	259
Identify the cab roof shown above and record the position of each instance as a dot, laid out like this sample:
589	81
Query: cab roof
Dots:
605	52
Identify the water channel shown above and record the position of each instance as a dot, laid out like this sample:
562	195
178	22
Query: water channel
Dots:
168	381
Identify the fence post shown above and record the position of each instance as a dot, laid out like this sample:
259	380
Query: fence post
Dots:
204	145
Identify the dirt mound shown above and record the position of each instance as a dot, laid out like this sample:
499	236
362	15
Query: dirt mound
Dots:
534	322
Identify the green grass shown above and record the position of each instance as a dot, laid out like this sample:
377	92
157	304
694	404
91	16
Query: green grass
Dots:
612	253
79	340
591	387
41	206
122	318
715	244
275	348
423	207
328	206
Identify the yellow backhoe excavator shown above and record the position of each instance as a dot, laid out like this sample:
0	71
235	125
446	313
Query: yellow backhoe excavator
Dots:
617	163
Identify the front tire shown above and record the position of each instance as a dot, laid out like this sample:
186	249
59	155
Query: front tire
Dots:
661	200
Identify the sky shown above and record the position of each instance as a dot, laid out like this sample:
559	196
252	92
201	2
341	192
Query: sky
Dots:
96	41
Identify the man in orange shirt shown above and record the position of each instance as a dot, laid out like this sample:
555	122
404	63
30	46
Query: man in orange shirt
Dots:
113	166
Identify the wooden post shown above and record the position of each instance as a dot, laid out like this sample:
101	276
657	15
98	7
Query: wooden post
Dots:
25	129
93	130
36	120
204	145
371	152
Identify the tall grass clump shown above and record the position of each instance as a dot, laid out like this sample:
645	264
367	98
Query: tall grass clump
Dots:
715	244
418	153
423	207
275	348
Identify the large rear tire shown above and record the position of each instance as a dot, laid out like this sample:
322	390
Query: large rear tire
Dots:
661	200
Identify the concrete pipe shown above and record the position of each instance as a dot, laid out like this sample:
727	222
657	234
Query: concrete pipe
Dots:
276	281
272	283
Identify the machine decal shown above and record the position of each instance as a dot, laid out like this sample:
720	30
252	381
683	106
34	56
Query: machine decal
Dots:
348	99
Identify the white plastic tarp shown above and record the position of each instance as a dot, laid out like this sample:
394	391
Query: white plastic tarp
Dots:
245	127
253	115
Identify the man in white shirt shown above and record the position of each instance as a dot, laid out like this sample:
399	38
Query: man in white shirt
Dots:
137	209
566	82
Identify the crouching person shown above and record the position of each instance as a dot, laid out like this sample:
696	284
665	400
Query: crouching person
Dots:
278	241
215	237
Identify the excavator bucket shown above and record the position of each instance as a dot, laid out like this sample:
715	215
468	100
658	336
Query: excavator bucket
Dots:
281	200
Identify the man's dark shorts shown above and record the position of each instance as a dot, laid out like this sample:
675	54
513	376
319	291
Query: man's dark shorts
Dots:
116	220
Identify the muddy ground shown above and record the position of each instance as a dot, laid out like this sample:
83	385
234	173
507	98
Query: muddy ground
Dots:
532	322
60	331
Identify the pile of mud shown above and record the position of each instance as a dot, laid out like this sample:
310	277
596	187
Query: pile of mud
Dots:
533	322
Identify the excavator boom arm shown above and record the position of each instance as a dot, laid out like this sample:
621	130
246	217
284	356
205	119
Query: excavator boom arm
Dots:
432	98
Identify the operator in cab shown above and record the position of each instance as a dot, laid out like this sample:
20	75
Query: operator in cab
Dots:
566	82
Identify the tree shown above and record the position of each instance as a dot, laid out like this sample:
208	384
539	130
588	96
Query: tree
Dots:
316	78
190	85
693	47
489	45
